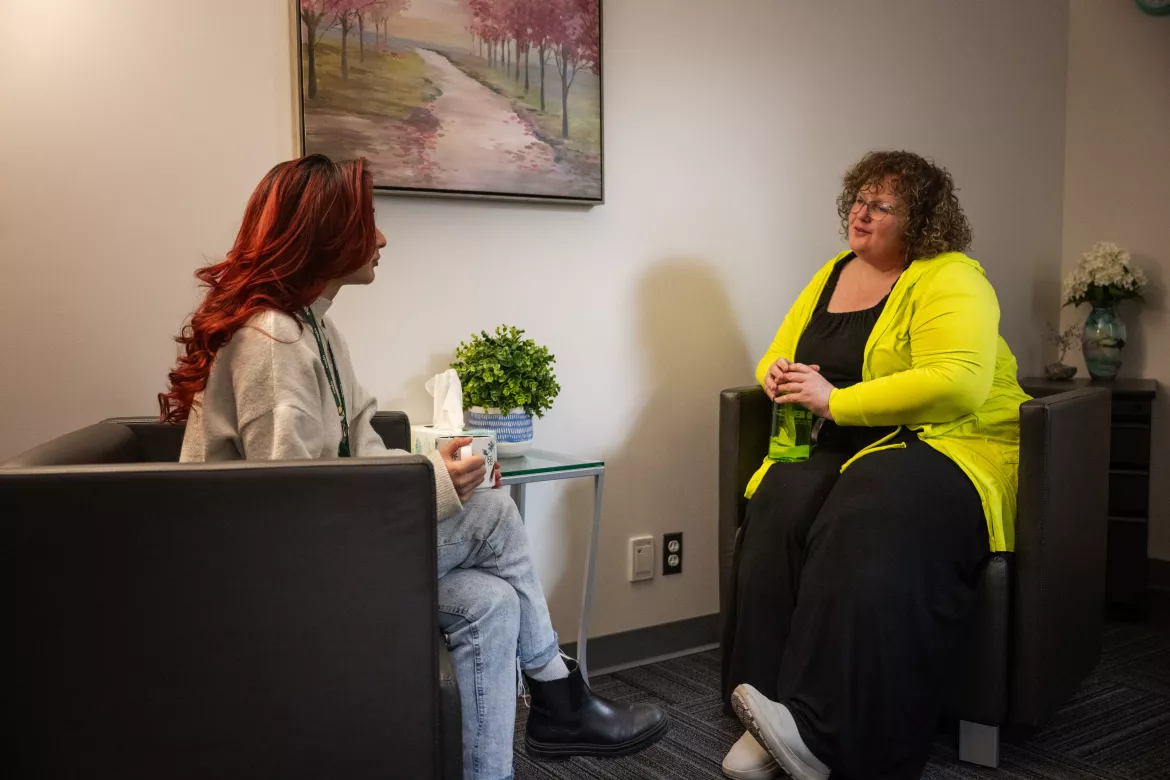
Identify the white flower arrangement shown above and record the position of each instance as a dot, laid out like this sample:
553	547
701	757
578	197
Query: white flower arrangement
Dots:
1106	274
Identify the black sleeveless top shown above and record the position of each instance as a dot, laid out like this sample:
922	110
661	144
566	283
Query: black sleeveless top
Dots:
836	340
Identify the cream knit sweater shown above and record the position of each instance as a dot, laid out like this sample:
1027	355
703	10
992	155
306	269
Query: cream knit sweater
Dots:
268	398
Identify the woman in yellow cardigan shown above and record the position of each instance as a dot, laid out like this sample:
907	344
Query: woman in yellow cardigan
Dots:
856	569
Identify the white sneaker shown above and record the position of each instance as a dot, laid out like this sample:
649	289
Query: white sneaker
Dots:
748	761
773	727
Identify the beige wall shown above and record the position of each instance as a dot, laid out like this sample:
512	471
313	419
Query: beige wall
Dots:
1117	169
134	130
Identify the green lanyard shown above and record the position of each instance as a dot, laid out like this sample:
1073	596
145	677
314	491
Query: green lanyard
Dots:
330	362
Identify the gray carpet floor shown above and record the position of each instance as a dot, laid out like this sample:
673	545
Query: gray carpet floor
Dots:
1116	727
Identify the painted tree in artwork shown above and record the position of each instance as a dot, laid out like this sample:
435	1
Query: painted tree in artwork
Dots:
524	22
479	25
318	16
501	26
381	15
590	34
542	20
348	14
487	24
497	24
361	14
576	40
379	12
568	30
346	17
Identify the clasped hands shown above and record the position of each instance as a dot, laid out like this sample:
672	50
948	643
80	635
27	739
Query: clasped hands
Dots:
796	383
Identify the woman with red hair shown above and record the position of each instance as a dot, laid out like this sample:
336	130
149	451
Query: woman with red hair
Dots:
266	375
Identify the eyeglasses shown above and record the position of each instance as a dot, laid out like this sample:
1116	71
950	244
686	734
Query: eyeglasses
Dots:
877	209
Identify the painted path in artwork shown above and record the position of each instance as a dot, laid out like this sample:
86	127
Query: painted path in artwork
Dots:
481	143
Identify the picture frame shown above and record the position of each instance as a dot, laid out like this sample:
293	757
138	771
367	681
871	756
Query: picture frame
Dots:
444	98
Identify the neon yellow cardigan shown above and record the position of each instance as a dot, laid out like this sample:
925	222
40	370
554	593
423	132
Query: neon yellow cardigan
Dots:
934	363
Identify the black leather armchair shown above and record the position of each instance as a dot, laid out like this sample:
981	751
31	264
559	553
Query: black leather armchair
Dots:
241	620
1036	632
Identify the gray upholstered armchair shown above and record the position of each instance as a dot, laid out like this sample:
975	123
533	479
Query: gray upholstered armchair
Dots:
1036	632
234	620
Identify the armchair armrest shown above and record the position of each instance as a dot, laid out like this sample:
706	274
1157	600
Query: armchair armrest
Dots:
394	428
231	620
744	422
98	443
1061	532
161	443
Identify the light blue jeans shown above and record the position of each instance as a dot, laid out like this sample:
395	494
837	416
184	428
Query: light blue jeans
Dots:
492	612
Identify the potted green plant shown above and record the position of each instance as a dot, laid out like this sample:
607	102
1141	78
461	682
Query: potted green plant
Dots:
507	380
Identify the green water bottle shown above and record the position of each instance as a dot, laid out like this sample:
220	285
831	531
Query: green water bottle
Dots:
791	438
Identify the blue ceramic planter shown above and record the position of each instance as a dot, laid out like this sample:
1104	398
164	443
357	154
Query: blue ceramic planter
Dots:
513	430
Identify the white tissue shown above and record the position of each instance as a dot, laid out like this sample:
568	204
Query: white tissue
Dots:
447	393
447	423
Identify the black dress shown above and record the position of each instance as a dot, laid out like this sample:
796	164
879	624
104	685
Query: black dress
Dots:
850	588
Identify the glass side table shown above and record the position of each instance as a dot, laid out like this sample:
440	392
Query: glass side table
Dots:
542	466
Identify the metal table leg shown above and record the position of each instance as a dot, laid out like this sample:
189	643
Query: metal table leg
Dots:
598	474
590	570
518	497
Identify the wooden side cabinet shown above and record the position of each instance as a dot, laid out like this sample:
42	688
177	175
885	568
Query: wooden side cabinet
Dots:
1129	484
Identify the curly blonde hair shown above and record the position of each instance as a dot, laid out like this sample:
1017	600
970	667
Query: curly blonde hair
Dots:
934	222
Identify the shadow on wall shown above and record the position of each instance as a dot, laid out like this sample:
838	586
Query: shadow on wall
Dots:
1032	349
1143	322
662	478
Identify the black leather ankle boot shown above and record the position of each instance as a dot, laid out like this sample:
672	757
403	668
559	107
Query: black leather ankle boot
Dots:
567	719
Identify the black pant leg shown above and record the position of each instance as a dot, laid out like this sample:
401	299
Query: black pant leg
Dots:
889	578
769	550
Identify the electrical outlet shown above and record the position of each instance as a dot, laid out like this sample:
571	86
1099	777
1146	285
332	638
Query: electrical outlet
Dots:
641	558
672	553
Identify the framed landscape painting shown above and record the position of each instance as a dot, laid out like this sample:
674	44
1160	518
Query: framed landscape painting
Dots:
461	98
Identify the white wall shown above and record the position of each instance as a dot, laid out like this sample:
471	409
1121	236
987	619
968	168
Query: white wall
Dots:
131	134
134	133
1117	170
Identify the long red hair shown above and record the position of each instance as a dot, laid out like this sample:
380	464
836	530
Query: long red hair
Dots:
308	222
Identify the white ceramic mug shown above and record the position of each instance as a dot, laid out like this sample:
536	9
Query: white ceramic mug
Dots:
482	443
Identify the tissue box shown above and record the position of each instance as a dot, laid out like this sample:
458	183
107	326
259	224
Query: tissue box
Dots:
427	438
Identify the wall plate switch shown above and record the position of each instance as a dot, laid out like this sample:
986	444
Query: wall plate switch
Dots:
672	553
641	558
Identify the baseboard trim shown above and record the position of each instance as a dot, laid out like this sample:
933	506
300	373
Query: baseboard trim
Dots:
1158	575
626	649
